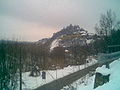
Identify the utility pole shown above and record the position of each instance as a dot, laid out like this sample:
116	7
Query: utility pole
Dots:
20	70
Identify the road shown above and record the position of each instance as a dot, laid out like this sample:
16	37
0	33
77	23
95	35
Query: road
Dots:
67	80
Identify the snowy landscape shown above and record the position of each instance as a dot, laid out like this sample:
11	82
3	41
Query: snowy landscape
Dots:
84	83
60	45
51	75
88	83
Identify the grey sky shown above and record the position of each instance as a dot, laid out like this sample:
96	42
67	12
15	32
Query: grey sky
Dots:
32	20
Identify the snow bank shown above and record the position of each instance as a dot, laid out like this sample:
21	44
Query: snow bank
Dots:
103	70
113	84
83	83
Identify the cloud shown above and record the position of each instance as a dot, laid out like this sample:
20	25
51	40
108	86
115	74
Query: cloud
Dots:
41	11
23	30
20	16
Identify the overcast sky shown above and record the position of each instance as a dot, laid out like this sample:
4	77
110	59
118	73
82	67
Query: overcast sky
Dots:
31	20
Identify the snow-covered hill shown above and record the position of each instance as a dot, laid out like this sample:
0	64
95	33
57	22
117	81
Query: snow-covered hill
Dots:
68	36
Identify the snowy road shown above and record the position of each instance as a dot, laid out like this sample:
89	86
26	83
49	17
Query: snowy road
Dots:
60	83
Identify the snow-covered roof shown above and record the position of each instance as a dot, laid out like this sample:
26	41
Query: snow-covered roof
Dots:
103	70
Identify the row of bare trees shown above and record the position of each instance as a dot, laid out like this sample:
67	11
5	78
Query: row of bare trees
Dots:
107	23
108	32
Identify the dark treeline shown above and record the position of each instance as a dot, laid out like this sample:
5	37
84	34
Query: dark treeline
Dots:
33	54
17	57
9	65
108	33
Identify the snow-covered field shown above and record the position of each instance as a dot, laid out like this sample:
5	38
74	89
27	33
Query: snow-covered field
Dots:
88	84
34	82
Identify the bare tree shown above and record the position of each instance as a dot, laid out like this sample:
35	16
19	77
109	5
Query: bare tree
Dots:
106	23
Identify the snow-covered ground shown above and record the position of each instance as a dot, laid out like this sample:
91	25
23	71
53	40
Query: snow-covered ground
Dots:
87	82
34	82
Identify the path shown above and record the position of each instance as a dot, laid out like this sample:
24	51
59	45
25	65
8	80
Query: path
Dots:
69	79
